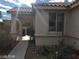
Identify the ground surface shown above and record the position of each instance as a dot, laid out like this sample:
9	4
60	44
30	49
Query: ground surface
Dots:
31	52
19	50
6	50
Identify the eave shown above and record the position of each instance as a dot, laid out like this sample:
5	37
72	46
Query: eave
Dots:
75	4
51	8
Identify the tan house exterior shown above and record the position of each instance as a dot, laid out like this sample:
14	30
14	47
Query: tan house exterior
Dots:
40	20
71	24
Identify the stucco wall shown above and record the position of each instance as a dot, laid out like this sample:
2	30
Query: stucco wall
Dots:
42	34
72	27
73	23
47	40
41	22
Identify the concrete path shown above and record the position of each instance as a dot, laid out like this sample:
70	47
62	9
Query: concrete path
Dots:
19	51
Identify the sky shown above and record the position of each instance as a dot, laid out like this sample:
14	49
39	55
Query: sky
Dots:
9	4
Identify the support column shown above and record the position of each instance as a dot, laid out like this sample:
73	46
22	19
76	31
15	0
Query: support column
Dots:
19	29
13	28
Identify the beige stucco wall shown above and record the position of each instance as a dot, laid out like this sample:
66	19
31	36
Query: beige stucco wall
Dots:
47	40
72	27
41	22
44	37
42	34
73	23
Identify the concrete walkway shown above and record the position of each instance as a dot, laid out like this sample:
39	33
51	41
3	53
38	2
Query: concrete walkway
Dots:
19	51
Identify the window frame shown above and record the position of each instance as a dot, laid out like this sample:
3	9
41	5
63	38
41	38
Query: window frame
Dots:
57	22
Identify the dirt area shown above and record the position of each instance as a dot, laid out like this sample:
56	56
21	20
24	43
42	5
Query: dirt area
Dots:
31	52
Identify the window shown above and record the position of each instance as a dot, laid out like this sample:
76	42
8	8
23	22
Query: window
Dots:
56	22
52	21
60	21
